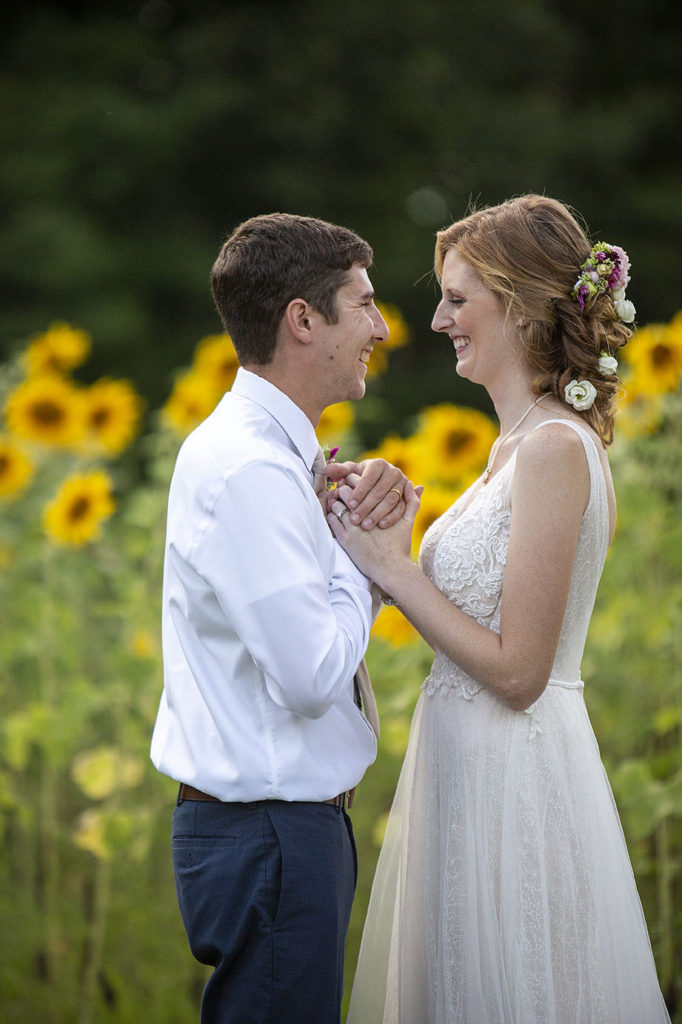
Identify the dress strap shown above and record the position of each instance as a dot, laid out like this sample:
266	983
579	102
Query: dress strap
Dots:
597	479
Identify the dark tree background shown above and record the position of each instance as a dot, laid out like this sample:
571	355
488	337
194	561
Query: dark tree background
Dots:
134	136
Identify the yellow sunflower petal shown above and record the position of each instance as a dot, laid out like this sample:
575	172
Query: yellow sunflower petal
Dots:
58	350
392	626
192	399
16	470
398	330
655	357
406	453
435	501
216	357
335	421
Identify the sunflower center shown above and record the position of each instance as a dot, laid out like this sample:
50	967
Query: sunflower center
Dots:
47	412
79	509
100	417
661	357
456	441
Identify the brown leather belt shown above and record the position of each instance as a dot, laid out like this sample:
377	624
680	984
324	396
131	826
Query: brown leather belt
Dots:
343	800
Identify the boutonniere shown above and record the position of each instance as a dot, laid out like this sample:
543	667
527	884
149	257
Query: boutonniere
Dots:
329	456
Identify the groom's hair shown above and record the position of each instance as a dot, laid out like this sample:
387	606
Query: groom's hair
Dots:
269	260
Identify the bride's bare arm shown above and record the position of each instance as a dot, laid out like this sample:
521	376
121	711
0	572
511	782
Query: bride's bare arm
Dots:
549	495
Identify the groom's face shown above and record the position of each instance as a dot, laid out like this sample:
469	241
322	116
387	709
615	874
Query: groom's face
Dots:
346	345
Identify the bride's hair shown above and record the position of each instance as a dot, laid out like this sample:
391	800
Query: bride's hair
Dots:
529	251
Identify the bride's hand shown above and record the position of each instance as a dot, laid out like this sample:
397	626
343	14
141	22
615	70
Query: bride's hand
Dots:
372	490
377	552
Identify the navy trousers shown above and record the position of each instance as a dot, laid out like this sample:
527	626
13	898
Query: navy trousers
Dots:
265	891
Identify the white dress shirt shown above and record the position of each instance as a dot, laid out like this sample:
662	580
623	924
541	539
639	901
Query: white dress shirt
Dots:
265	618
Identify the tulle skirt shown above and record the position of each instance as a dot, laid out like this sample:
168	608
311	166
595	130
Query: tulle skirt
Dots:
504	892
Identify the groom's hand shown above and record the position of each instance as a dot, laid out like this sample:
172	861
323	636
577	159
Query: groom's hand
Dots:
371	489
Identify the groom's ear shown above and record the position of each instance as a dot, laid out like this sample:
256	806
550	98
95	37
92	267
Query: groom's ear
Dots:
299	317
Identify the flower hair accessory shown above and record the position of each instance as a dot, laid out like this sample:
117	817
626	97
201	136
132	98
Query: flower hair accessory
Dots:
580	394
607	268
607	364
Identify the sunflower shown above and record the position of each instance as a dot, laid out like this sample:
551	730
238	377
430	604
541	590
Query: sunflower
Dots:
192	399
398	335
398	331
639	415
392	626
59	350
215	356
16	470
655	355
458	440
378	361
46	408
81	505
112	412
435	501
335	421
405	453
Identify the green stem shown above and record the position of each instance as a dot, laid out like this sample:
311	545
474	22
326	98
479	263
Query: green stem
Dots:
48	793
95	946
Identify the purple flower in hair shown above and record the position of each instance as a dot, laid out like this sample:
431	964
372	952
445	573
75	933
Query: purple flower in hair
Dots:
623	266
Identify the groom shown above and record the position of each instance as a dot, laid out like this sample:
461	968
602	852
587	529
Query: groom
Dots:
265	622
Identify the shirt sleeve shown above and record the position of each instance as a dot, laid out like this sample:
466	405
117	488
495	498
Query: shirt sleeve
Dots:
298	604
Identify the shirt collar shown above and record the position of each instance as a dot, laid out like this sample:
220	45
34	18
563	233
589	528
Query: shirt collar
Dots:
290	416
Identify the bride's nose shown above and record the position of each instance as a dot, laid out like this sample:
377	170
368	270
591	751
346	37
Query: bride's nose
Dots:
441	318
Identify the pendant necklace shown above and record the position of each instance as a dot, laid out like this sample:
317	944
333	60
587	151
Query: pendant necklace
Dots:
500	441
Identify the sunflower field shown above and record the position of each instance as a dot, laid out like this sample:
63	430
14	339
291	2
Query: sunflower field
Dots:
91	930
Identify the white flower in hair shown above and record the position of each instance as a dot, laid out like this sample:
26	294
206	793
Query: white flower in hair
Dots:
625	310
580	394
607	364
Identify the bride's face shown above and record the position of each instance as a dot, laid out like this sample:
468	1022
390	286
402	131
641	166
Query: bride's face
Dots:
475	320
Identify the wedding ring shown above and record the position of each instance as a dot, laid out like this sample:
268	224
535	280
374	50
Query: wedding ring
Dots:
341	514
395	489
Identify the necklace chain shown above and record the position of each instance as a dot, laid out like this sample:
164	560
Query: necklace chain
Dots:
500	441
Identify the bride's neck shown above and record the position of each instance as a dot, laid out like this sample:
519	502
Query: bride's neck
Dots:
511	406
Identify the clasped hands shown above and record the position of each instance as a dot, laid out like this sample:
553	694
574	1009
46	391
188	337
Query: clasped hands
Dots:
372	491
368	494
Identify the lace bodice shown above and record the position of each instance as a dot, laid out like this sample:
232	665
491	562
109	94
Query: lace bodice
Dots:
464	554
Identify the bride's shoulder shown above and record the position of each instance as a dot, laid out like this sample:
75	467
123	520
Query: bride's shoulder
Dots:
552	451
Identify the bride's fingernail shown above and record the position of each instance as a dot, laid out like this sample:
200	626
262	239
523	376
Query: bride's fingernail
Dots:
355	518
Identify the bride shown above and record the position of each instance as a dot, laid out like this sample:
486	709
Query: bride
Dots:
504	893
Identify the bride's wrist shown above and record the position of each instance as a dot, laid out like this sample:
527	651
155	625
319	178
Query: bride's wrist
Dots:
394	580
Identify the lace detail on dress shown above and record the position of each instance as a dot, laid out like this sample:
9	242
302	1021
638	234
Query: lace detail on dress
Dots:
465	556
446	677
472	553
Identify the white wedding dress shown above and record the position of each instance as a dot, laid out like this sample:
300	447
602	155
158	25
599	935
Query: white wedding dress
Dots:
504	893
